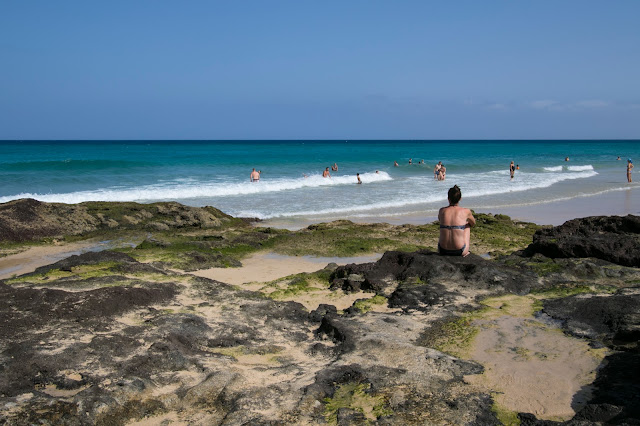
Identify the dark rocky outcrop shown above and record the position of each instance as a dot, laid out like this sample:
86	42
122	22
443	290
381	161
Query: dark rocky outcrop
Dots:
613	319
23	309
612	238
321	311
428	267
27	219
125	263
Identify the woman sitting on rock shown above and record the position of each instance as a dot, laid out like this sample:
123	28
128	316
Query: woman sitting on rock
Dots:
455	226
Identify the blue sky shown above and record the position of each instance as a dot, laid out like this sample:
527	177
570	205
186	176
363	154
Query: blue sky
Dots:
320	70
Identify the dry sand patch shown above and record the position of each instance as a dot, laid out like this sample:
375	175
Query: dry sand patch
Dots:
263	267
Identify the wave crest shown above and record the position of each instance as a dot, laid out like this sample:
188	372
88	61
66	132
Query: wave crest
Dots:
190	189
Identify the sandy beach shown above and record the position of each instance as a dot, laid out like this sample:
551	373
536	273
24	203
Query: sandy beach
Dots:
277	323
611	203
263	267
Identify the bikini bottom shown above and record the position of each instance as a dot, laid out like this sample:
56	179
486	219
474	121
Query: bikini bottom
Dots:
447	252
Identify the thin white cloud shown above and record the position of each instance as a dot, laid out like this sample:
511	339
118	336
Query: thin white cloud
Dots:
551	105
592	104
544	104
497	106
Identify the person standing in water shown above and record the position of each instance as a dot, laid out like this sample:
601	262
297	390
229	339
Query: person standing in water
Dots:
455	226
629	168
358	176
442	174
512	170
326	173
254	176
436	170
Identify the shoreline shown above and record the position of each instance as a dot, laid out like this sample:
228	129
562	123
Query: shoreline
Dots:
555	212
612	203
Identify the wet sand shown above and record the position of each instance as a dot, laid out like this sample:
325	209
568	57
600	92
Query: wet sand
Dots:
612	203
34	257
531	366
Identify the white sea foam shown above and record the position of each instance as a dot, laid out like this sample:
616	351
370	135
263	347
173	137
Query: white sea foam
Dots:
568	168
299	197
189	189
579	168
414	193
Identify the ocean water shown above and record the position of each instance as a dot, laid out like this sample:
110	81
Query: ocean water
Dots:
216	173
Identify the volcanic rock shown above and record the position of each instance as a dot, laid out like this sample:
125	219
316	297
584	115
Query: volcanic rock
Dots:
439	272
28	219
612	238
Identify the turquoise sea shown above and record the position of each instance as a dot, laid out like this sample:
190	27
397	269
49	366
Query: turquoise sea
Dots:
216	173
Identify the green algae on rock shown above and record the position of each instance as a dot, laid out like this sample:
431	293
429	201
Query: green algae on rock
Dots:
191	238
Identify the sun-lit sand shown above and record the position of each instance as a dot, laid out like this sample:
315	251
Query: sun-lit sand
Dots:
263	267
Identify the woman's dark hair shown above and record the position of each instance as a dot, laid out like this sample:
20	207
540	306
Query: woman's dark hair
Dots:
454	195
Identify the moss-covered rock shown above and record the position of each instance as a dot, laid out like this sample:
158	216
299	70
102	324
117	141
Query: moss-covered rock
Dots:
29	220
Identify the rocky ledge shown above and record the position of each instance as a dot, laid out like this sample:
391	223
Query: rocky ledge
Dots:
102	338
28	219
612	238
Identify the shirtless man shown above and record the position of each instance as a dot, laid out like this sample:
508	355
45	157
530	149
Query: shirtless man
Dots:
326	173
254	176
455	226
629	168
436	170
